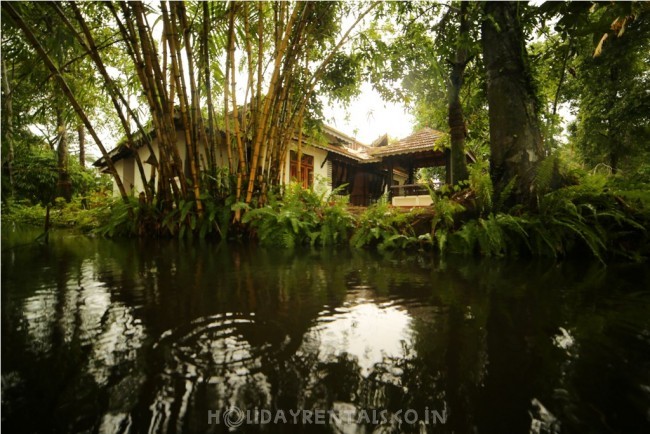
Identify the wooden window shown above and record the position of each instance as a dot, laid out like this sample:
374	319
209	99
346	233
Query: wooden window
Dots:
303	172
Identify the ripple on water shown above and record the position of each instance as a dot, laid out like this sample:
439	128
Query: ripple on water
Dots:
213	344
212	355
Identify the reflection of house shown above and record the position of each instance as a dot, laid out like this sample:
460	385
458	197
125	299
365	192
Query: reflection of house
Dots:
334	158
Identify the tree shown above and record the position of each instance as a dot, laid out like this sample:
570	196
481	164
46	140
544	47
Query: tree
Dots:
610	90
63	85
31	88
602	76
431	59
516	146
457	127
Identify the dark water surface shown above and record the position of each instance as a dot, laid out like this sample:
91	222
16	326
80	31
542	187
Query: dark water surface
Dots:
106	336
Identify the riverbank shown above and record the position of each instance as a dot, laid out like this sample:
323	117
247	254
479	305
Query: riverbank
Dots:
83	215
567	223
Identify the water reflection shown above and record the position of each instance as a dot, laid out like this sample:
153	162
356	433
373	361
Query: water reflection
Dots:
366	331
133	337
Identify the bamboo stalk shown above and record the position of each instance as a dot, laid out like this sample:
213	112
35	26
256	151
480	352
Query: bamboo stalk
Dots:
260	51
211	149
231	30
233	86
189	119
251	75
195	105
131	40
178	75
165	123
90	47
265	110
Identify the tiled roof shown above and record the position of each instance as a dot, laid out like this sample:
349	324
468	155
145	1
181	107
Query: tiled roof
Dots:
360	155
345	145
422	140
339	134
381	141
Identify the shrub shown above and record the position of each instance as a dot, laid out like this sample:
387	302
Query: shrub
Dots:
302	217
385	227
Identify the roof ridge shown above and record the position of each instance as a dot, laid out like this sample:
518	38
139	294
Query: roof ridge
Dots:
345	136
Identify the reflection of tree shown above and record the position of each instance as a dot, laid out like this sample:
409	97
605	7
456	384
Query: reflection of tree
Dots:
76	344
606	358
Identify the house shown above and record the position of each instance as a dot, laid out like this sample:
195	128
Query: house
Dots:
366	171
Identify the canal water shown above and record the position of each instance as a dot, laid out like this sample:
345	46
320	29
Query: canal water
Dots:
132	336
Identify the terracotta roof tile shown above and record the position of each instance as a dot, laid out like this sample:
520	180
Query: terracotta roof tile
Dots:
421	140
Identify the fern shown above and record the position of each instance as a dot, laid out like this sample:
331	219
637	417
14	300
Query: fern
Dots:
505	194
481	184
386	228
547	171
444	211
302	217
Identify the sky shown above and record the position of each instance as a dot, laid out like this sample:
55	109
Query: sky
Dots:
369	117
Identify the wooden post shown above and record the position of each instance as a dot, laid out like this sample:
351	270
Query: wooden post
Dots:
448	169
410	174
390	179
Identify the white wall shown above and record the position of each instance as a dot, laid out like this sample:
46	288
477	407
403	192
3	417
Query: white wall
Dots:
134	179
399	177
321	173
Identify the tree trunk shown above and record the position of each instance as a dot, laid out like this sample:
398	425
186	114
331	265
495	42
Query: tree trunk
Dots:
46	226
8	127
456	119
515	139
81	132
64	187
613	161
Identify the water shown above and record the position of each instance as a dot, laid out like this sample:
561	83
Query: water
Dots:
107	336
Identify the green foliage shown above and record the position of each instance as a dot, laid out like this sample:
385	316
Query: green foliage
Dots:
385	227
337	222
491	236
221	181
83	214
138	218
302	217
36	176
585	217
342	76
120	221
601	54
481	184
595	213
444	211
